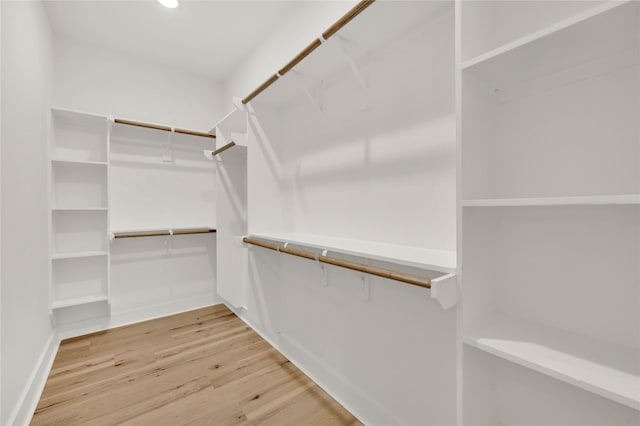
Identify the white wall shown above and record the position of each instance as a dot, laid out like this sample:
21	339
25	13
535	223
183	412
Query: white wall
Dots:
304	23
93	79
26	71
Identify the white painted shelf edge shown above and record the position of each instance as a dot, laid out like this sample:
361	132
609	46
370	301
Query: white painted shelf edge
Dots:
606	369
79	254
66	303
79	209
78	115
433	260
234	121
79	162
627	199
160	228
530	38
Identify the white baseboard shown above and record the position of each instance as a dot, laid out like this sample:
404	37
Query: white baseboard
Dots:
346	394
28	401
119	319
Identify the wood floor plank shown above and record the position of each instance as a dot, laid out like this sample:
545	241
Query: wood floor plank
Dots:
203	367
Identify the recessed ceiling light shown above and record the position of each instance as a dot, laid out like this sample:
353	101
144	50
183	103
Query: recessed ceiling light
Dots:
171	4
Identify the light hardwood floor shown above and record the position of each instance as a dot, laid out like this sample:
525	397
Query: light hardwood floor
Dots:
203	367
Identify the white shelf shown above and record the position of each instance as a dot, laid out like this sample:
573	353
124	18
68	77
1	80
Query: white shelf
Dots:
80	162
235	121
78	117
79	254
79	209
604	200
433	260
66	303
603	368
530	38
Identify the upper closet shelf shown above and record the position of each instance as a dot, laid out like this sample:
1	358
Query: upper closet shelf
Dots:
78	118
604	200
234	121
604	368
433	260
559	27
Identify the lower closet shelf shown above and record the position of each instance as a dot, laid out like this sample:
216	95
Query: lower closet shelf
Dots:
66	303
604	368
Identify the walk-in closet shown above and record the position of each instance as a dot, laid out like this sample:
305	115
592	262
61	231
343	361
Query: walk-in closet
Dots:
407	213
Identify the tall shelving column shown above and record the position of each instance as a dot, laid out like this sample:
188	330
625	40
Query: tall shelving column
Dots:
550	101
79	248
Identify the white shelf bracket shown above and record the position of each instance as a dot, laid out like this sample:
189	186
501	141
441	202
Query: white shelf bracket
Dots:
445	290
168	242
365	291
324	269
311	87
167	157
349	51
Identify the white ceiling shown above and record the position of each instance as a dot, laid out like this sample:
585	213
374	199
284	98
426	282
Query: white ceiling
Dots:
205	37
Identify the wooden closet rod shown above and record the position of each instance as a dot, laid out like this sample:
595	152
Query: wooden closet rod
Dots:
162	232
164	128
223	148
373	270
340	23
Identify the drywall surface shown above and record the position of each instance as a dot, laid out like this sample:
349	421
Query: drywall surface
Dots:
25	326
94	79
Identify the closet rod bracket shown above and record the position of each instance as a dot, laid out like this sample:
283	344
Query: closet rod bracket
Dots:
445	290
365	291
324	269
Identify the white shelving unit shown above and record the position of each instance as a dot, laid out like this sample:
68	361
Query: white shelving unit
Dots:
79	210
550	212
106	175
